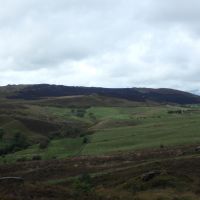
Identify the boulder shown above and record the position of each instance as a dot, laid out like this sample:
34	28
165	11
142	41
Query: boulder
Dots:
150	175
197	149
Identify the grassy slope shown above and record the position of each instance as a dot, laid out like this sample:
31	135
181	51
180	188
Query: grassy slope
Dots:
60	148
11	126
116	129
166	131
152	127
87	101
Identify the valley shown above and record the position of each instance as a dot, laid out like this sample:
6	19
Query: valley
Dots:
92	146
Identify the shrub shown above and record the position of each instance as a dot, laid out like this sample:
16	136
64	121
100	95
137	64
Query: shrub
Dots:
19	141
44	143
73	131
55	134
175	112
92	117
163	182
162	146
2	132
82	135
83	185
23	159
85	133
73	110
80	113
85	140
37	157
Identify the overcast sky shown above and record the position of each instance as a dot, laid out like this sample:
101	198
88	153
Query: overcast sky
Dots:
111	43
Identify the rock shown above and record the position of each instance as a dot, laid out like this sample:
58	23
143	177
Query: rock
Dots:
197	149
179	153
150	175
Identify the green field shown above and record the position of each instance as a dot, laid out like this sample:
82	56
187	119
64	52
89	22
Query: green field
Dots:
166	131
117	129
57	149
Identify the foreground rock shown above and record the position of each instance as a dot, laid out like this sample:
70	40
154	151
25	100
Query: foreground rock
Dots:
150	175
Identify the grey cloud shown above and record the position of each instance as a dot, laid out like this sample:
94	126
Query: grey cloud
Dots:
125	43
174	11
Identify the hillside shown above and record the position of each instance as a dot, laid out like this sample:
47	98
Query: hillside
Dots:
31	92
99	144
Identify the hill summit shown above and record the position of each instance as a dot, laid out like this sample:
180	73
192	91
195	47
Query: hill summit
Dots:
38	91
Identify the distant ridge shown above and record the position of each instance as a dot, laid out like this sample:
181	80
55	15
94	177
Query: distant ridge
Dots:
38	91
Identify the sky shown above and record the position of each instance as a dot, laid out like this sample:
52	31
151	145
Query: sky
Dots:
107	43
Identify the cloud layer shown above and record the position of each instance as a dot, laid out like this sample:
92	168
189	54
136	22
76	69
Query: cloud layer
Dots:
124	43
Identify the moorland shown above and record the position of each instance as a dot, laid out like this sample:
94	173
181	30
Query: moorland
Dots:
59	142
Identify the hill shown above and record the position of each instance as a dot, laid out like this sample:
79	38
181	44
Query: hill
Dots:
98	143
31	92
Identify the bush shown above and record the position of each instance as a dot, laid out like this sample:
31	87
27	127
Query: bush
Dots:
164	182
23	159
73	131
37	157
80	112
55	135
19	141
82	135
2	152
92	117
175	112
44	143
83	185
85	140
2	132
162	146
86	133
73	110
54	157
